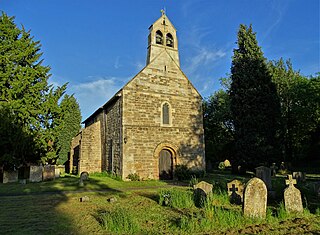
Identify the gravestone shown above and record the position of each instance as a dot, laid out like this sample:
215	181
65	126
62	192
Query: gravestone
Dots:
227	163
235	191
84	176
201	191
255	199
10	176
48	172
84	199
292	197
35	174
57	172
299	176
264	173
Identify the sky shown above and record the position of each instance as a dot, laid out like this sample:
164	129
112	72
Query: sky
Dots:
97	46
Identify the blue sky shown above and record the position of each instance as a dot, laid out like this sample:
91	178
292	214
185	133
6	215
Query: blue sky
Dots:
98	45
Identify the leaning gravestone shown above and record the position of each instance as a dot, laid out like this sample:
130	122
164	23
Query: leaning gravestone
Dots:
227	163
292	197
235	191
10	176
35	173
201	191
255	199
48	172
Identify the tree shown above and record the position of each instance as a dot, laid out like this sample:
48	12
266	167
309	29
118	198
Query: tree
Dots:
255	106
300	105
69	126
218	125
30	104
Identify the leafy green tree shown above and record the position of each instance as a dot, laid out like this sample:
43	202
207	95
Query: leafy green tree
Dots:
255	105
27	99
69	126
218	125
300	110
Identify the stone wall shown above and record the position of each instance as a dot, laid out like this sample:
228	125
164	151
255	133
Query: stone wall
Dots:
161	81
90	149
113	137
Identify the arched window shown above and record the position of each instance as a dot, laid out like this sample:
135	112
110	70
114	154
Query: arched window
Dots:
169	40
166	114
159	37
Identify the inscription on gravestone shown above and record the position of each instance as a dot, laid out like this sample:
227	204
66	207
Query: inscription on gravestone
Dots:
292	197
255	199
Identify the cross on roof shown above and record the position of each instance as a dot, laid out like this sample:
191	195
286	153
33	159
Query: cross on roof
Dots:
291	181
233	189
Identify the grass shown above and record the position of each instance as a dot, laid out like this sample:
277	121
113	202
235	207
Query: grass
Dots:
138	210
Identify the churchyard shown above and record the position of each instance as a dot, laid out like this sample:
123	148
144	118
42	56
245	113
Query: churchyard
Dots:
101	204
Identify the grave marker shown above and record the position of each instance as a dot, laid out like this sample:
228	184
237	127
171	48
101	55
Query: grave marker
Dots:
292	197
264	173
235	191
10	176
48	172
35	173
201	191
255	199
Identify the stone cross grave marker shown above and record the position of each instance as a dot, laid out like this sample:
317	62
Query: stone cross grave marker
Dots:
255	199
201	191
264	173
235	191
292	197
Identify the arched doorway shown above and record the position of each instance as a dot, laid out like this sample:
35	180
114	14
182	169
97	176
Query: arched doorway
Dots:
165	165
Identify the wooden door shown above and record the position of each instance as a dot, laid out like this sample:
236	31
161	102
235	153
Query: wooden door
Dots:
165	165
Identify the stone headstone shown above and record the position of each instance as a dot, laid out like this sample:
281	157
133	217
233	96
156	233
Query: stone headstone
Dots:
84	176
48	172
10	176
299	176
235	191
264	173
255	199
201	191
112	199
35	174
292	197
56	172
84	199
227	163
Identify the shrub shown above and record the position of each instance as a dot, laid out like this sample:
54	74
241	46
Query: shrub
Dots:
182	172
119	221
133	177
221	166
193	181
176	198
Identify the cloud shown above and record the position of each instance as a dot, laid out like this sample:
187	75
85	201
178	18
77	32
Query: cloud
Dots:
204	57
117	63
92	95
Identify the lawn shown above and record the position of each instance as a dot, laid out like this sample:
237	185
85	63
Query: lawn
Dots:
54	208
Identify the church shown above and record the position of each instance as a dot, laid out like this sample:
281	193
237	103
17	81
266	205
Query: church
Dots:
152	124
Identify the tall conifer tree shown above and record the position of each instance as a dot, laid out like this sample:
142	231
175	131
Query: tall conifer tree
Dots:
254	103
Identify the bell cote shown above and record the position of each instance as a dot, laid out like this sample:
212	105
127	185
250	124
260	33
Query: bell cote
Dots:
162	37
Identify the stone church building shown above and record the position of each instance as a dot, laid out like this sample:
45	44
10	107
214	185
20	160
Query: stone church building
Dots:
152	124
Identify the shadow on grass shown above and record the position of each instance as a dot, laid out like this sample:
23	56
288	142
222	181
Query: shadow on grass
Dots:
51	207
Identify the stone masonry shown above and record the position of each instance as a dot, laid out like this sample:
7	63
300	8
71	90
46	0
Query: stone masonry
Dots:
128	133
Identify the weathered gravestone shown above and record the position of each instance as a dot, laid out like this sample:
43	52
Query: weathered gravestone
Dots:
10	176
201	191
264	173
235	191
292	197
84	176
35	173
48	172
255	199
299	176
274	169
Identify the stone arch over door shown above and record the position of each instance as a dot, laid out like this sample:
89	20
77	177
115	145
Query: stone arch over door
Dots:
166	157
